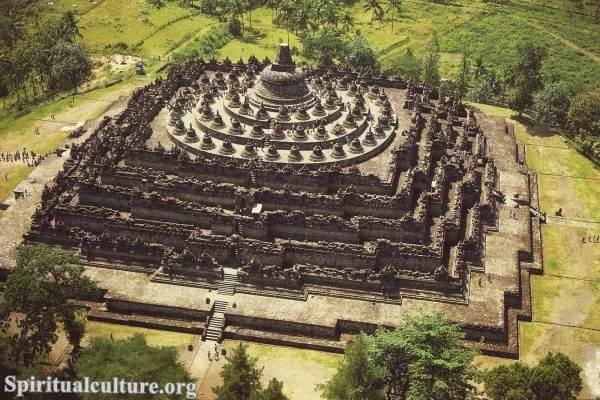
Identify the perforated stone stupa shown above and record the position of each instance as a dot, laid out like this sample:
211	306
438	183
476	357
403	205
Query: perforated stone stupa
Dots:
282	84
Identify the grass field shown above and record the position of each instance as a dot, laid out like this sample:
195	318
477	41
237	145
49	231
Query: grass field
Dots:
578	198
566	255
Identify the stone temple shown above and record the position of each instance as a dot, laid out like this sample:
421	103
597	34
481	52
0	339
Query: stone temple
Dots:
263	201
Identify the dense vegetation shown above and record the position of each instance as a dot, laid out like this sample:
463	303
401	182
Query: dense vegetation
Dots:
37	61
35	301
132	359
424	359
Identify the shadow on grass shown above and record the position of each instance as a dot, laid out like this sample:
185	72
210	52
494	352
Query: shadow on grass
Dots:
252	36
533	127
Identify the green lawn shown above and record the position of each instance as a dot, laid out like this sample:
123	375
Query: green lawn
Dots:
490	31
578	198
62	6
173	35
564	301
261	40
561	161
565	253
486	30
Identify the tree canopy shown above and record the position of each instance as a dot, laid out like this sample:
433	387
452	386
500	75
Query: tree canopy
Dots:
421	360
36	296
431	64
524	76
408	66
241	376
133	360
357	377
555	377
242	379
584	113
360	54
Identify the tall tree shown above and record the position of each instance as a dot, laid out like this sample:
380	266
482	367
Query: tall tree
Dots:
357	377
13	18
551	104
241	376
555	377
462	85
37	294
431	64
424	359
393	7
524	76
347	21
584	114
508	382
408	66
274	391
131	358
375	8
360	54
71	65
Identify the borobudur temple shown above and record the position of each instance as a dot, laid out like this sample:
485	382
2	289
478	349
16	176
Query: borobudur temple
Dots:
263	201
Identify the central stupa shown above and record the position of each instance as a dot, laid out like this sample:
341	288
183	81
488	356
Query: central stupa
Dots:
282	84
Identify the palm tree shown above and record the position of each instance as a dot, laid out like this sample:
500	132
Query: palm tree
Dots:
286	12
347	21
393	7
374	6
68	27
478	68
235	9
330	14
302	18
273	5
13	15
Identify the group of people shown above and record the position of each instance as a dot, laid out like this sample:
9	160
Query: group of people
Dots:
31	158
216	353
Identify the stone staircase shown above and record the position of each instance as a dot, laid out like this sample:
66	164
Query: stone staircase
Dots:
214	330
227	285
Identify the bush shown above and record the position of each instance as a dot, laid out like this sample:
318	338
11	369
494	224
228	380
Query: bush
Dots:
408	66
584	114
555	377
235	27
323	47
482	89
552	102
70	65
360	54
